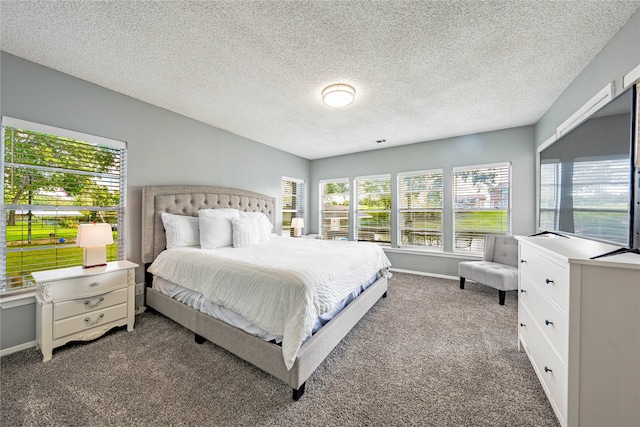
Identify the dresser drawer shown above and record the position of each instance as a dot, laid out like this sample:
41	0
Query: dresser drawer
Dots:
79	287
87	321
550	319
550	277
551	370
70	308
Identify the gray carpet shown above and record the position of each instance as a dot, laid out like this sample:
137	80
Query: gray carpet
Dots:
429	354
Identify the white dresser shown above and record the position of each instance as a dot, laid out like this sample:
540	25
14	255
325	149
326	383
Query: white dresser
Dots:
82	304
579	322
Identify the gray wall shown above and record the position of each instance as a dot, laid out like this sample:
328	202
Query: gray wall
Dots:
163	148
509	145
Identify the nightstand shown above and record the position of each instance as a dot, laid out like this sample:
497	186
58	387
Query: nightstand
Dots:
78	304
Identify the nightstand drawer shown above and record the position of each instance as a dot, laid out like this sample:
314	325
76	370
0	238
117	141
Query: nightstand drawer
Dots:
79	287
74	307
83	322
551	278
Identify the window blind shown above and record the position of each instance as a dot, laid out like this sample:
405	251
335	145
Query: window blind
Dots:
481	204
51	184
334	210
373	209
420	208
292	202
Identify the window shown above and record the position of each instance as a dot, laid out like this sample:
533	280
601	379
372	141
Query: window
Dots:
373	209
420	209
55	179
481	205
334	209
292	203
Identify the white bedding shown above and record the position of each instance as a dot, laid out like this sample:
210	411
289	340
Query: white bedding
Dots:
293	280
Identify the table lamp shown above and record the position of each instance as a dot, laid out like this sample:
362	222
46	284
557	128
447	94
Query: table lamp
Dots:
94	238
297	224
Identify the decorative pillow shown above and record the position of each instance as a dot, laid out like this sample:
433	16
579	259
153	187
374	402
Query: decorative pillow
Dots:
263	224
215	227
245	231
181	230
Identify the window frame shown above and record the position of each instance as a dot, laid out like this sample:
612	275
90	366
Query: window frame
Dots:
430	236
322	212
357	211
298	210
476	240
57	209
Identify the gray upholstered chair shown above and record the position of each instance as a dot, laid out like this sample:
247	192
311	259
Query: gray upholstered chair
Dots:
498	269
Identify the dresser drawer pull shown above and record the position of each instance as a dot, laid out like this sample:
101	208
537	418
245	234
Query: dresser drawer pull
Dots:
548	322
94	284
523	291
522	261
549	281
88	304
547	369
88	322
522	325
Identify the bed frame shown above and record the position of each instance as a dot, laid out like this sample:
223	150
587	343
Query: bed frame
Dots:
186	200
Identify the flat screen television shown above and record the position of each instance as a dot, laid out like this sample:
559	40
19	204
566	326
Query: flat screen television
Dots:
590	177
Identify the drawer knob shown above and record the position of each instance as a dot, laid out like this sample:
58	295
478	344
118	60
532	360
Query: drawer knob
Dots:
547	369
522	325
89	322
549	281
523	291
88	304
548	322
522	261
93	284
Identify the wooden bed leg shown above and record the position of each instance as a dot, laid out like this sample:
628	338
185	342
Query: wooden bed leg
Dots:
297	394
199	339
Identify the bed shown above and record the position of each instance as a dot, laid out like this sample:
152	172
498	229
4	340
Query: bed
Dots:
272	356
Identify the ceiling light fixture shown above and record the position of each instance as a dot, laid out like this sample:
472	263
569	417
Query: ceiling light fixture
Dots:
338	95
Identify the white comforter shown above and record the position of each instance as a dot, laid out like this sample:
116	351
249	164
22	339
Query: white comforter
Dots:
281	285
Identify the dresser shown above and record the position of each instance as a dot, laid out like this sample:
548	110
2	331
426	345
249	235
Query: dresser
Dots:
579	323
77	304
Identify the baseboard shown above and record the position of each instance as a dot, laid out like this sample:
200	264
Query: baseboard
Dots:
423	273
17	348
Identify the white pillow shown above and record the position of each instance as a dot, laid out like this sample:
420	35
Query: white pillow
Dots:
215	227
245	231
263	224
181	230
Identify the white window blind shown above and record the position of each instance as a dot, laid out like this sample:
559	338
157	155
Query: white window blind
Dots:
292	202
420	209
481	204
373	209
334	209
51	184
550	194
601	193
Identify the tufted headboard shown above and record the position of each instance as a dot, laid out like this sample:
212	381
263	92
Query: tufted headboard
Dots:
186	200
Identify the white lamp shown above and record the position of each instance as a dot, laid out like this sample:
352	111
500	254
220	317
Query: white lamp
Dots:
338	95
297	224
94	238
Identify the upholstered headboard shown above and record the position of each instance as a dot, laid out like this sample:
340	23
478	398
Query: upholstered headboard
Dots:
187	200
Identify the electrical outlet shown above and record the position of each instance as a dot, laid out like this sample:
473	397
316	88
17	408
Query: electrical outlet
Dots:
139	288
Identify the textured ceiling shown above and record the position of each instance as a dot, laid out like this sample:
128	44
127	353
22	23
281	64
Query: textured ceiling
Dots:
422	70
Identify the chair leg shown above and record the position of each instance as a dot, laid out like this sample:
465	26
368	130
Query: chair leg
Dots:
461	282
501	295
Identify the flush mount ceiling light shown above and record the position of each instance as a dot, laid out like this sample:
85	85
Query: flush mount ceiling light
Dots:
338	95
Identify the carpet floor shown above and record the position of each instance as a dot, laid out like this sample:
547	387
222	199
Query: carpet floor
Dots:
430	354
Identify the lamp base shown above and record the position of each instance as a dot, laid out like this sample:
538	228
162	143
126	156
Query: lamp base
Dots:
94	256
297	232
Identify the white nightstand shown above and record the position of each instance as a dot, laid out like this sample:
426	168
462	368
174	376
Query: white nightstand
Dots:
77	304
